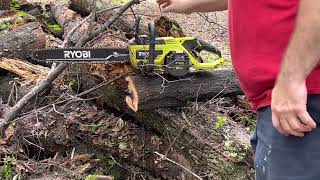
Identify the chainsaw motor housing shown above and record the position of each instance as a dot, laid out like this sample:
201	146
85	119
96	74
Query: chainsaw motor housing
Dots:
169	53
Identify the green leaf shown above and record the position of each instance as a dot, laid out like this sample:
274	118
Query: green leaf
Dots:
55	27
15	4
115	174
91	177
21	14
123	146
221	120
3	26
116	2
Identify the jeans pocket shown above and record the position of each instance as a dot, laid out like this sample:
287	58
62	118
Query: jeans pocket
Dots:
254	141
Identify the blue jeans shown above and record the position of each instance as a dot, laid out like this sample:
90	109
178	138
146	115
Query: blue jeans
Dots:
277	157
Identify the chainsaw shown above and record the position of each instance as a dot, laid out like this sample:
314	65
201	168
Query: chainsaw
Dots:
146	53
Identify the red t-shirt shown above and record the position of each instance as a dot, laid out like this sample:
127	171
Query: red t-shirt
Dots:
259	34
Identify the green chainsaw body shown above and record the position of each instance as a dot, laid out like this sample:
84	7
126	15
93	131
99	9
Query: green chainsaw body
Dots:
184	50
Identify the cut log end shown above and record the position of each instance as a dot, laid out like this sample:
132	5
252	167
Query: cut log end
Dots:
132	100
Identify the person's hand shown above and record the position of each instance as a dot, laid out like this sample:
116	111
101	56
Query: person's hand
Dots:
175	6
289	108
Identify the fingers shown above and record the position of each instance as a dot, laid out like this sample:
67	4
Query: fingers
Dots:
305	118
290	123
293	126
164	2
168	8
276	124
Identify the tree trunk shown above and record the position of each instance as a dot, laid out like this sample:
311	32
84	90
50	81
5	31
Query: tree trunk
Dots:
19	42
5	4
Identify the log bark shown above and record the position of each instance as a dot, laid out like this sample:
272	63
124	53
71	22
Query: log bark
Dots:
191	140
151	92
82	128
124	24
157	92
68	19
5	4
214	152
18	42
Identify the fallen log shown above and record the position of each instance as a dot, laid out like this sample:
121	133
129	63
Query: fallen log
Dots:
105	12
27	71
215	152
67	131
69	19
157	92
187	145
18	42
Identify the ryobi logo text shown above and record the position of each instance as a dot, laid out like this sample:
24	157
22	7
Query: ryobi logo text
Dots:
77	54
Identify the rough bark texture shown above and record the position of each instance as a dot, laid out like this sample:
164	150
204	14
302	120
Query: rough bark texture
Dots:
68	19
155	92
214	153
18	42
5	4
125	24
88	131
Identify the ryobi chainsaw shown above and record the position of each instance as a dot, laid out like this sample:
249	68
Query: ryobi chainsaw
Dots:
173	56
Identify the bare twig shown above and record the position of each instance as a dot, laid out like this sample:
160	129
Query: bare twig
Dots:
34	144
163	157
77	96
109	23
128	169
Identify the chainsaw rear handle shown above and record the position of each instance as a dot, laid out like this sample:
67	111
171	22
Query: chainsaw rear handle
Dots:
204	46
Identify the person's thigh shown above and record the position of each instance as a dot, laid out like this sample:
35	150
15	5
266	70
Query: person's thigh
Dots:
278	157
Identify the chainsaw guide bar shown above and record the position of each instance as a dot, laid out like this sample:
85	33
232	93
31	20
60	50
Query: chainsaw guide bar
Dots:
82	55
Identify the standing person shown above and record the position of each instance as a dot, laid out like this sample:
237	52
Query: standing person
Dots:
275	51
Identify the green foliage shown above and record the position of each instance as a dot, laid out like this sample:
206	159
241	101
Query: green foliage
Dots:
15	5
55	27
221	120
116	2
5	26
250	123
116	174
94	127
91	177
7	172
236	150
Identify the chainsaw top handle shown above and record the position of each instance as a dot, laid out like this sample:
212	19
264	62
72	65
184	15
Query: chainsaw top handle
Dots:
152	46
